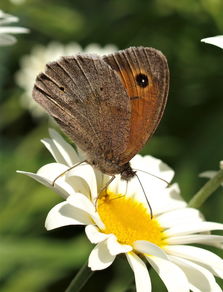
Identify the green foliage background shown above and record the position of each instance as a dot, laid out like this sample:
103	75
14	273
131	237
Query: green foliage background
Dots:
189	138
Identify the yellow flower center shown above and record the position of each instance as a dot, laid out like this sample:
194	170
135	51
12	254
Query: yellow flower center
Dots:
128	220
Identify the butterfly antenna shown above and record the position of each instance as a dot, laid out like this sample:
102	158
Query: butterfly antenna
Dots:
150	208
149	173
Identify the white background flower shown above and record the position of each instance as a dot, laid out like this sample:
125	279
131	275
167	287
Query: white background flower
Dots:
5	31
17	2
121	223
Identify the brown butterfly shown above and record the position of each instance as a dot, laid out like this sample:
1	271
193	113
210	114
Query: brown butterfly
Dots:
109	106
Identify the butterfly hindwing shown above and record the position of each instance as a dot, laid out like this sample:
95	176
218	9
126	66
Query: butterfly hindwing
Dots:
144	74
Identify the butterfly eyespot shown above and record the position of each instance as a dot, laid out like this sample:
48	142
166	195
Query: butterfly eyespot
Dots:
61	88
101	88
142	80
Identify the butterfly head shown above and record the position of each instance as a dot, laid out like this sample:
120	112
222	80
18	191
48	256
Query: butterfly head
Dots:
112	167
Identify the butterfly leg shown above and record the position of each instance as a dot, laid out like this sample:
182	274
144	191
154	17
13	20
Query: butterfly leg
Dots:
67	170
101	193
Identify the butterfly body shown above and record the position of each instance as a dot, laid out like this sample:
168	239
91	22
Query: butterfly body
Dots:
109	106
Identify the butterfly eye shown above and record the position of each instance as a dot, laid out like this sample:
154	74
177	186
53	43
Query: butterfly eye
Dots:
61	88
142	80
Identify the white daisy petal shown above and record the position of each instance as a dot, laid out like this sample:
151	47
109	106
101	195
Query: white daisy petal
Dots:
100	257
78	184
130	188
208	174
216	41
207	259
37	177
101	179
80	201
64	214
200	279
5	31
142	186
51	147
161	199
84	172
209	239
94	235
179	216
46	175
115	247
119	186
97	220
11	29
196	227
149	248
7	18
153	166
52	171
167	200
62	151
172	276
142	278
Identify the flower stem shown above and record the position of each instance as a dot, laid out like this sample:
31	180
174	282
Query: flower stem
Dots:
80	279
201	196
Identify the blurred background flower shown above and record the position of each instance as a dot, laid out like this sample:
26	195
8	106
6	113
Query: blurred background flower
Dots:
189	137
5	31
17	2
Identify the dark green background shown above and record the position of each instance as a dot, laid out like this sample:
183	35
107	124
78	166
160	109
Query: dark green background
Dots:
189	138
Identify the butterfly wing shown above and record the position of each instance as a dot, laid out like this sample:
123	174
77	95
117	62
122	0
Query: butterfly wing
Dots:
145	76
87	99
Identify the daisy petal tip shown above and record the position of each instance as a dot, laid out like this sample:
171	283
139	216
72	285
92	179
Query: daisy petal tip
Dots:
20	171
216	41
100	258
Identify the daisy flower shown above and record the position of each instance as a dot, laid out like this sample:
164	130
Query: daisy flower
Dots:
119	221
5	31
34	63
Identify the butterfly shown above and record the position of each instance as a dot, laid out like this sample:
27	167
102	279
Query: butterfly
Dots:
109	106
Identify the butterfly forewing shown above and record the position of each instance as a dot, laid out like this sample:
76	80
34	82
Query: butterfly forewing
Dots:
93	110
145	76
